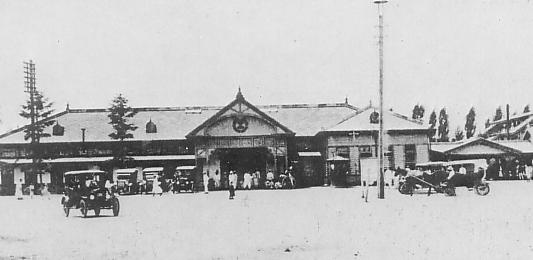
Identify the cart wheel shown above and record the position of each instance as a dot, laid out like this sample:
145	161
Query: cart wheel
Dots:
97	211
116	206
66	209
482	189
83	208
450	191
405	188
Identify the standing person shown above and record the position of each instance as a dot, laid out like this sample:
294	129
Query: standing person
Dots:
206	183
388	177
247	184
216	178
232	180
156	188
269	180
18	189
44	191
255	179
32	189
529	172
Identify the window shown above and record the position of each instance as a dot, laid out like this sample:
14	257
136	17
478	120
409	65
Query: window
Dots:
343	152
410	155
151	128
374	118
365	151
58	130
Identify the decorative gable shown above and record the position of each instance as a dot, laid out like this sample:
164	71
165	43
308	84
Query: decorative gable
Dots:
240	118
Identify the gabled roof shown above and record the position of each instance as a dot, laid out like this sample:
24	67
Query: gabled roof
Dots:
515	147
174	123
239	100
360	121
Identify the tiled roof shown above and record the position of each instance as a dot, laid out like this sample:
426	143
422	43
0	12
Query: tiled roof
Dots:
173	123
360	121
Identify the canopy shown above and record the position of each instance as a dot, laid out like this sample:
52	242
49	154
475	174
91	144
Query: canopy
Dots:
84	172
309	154
337	158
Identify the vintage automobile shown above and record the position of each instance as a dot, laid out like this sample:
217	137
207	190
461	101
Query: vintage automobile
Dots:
184	178
126	181
438	178
149	174
86	190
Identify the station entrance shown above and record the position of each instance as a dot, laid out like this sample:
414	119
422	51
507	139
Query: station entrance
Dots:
243	160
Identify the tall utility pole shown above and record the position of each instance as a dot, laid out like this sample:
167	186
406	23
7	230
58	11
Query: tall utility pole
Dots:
29	83
381	182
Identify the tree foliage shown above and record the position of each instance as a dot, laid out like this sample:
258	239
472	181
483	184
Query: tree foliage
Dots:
526	109
459	134
119	115
498	114
470	125
443	130
432	124
37	109
42	109
487	123
418	112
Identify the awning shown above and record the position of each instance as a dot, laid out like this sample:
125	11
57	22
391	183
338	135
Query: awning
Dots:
309	154
337	158
103	159
84	172
164	157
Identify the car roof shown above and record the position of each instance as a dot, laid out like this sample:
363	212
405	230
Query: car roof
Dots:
153	169
126	171
82	172
188	167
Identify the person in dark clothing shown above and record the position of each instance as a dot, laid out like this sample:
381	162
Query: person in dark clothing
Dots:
232	180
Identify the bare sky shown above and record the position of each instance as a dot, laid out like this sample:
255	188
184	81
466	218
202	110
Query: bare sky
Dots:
438	53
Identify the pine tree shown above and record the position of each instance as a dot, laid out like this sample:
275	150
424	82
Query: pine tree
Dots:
459	134
37	109
119	114
432	124
443	126
498	115
470	125
418	112
487	123
526	109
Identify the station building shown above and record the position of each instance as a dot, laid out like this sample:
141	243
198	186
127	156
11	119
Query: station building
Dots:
324	143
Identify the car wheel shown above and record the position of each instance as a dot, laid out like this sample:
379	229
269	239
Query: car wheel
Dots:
116	206
482	189
97	211
405	188
450	191
66	209
83	208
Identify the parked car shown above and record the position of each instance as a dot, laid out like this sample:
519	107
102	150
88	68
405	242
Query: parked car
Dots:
149	174
86	190
185	178
126	181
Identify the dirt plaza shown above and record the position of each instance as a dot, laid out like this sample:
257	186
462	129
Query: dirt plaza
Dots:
312	223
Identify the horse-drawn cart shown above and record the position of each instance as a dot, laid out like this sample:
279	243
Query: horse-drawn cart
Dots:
438	180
